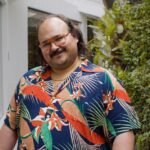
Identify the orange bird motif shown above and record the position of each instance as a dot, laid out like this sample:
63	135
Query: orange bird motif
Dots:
41	95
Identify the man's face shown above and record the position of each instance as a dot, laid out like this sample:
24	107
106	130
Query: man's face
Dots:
58	46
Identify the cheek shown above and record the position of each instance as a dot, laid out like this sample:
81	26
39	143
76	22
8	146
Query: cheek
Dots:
74	48
45	54
73	45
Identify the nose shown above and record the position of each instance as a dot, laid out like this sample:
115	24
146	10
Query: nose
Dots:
54	46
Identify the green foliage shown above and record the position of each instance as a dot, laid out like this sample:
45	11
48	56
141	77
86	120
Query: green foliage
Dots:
122	43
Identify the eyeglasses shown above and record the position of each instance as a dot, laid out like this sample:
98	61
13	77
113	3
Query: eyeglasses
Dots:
59	40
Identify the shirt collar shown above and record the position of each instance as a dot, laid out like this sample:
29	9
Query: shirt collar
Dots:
86	66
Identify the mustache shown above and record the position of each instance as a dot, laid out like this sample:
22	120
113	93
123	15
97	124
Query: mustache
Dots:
56	52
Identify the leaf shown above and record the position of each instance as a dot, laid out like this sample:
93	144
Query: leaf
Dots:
111	128
46	136
36	133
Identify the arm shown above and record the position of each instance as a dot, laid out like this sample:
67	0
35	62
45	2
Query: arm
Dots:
121	115
8	138
124	141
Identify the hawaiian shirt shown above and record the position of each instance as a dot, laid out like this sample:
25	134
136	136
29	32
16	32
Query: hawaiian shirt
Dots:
87	111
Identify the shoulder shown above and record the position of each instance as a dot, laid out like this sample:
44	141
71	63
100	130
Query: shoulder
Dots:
90	67
33	71
104	75
32	76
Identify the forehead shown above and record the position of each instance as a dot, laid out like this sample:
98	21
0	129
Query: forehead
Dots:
52	27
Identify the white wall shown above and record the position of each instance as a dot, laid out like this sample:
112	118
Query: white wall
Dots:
89	7
3	1
14	46
0	60
56	7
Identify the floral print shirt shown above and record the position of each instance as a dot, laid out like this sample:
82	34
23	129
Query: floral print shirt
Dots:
88	110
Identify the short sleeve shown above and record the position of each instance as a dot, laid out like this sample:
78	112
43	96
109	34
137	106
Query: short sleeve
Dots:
12	112
120	115
10	119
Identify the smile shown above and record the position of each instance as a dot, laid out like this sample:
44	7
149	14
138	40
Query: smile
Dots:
57	52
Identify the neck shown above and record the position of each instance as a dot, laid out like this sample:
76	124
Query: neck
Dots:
60	75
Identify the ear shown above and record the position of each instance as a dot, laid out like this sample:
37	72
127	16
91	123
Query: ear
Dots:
77	40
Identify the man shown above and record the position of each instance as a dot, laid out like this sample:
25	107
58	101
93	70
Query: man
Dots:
68	103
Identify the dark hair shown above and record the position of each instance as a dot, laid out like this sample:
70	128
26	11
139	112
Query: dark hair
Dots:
73	29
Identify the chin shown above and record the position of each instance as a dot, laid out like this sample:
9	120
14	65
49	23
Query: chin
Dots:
62	64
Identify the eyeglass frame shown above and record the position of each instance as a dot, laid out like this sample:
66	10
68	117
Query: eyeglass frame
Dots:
54	40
